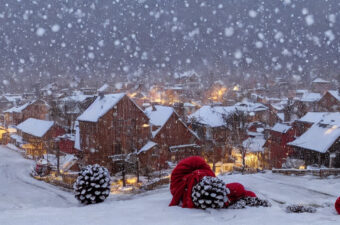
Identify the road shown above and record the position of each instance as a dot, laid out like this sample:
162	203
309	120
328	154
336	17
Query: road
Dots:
18	190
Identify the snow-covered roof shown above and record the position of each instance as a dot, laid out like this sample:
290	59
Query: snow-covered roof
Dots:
254	144
312	117
301	91
318	138
278	106
315	117
212	116
160	115
17	109
175	148
320	80
35	127
281	128
100	107
76	98
311	97
188	104
70	137
335	94
149	145
189	73
49	87
103	88
281	116
250	107
67	161
332	118
13	98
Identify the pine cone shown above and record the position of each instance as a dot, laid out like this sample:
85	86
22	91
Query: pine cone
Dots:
300	209
92	184
210	192
249	201
256	202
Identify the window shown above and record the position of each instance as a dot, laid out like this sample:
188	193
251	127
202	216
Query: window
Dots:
118	149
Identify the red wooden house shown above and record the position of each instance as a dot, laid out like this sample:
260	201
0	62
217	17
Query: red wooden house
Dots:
304	123
173	140
209	122
39	136
280	135
66	144
113	125
320	85
330	102
38	109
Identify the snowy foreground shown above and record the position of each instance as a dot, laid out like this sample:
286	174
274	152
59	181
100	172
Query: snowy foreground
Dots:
24	200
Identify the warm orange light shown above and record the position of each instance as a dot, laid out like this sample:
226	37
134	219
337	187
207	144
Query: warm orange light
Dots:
217	93
236	88
132	95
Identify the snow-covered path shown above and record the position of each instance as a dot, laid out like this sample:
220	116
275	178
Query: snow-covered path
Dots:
24	200
20	191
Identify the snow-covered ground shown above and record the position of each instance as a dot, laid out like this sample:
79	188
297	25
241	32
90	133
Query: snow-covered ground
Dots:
24	200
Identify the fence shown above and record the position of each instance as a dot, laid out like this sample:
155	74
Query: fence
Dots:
315	172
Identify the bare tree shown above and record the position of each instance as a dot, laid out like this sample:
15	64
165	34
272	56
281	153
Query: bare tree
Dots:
236	123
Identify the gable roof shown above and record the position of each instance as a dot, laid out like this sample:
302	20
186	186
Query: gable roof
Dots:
100	107
35	127
311	97
159	116
17	109
250	107
314	117
335	94
212	116
318	138
281	128
319	80
149	145
322	135
254	144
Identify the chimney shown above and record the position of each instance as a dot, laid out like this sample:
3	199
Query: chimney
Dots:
153	105
101	94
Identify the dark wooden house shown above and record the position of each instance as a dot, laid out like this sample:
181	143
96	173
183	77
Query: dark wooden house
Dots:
39	136
330	102
174	140
320	144
112	127
37	109
279	136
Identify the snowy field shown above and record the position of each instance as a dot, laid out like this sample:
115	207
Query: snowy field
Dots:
26	201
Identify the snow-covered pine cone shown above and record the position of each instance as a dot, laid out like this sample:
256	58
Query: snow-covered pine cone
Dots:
300	209
249	201
255	201
210	192
92	185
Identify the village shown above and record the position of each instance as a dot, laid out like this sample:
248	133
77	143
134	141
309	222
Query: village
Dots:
141	132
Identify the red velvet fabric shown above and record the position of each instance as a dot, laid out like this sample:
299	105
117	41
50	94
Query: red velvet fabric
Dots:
237	191
337	205
250	194
187	174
